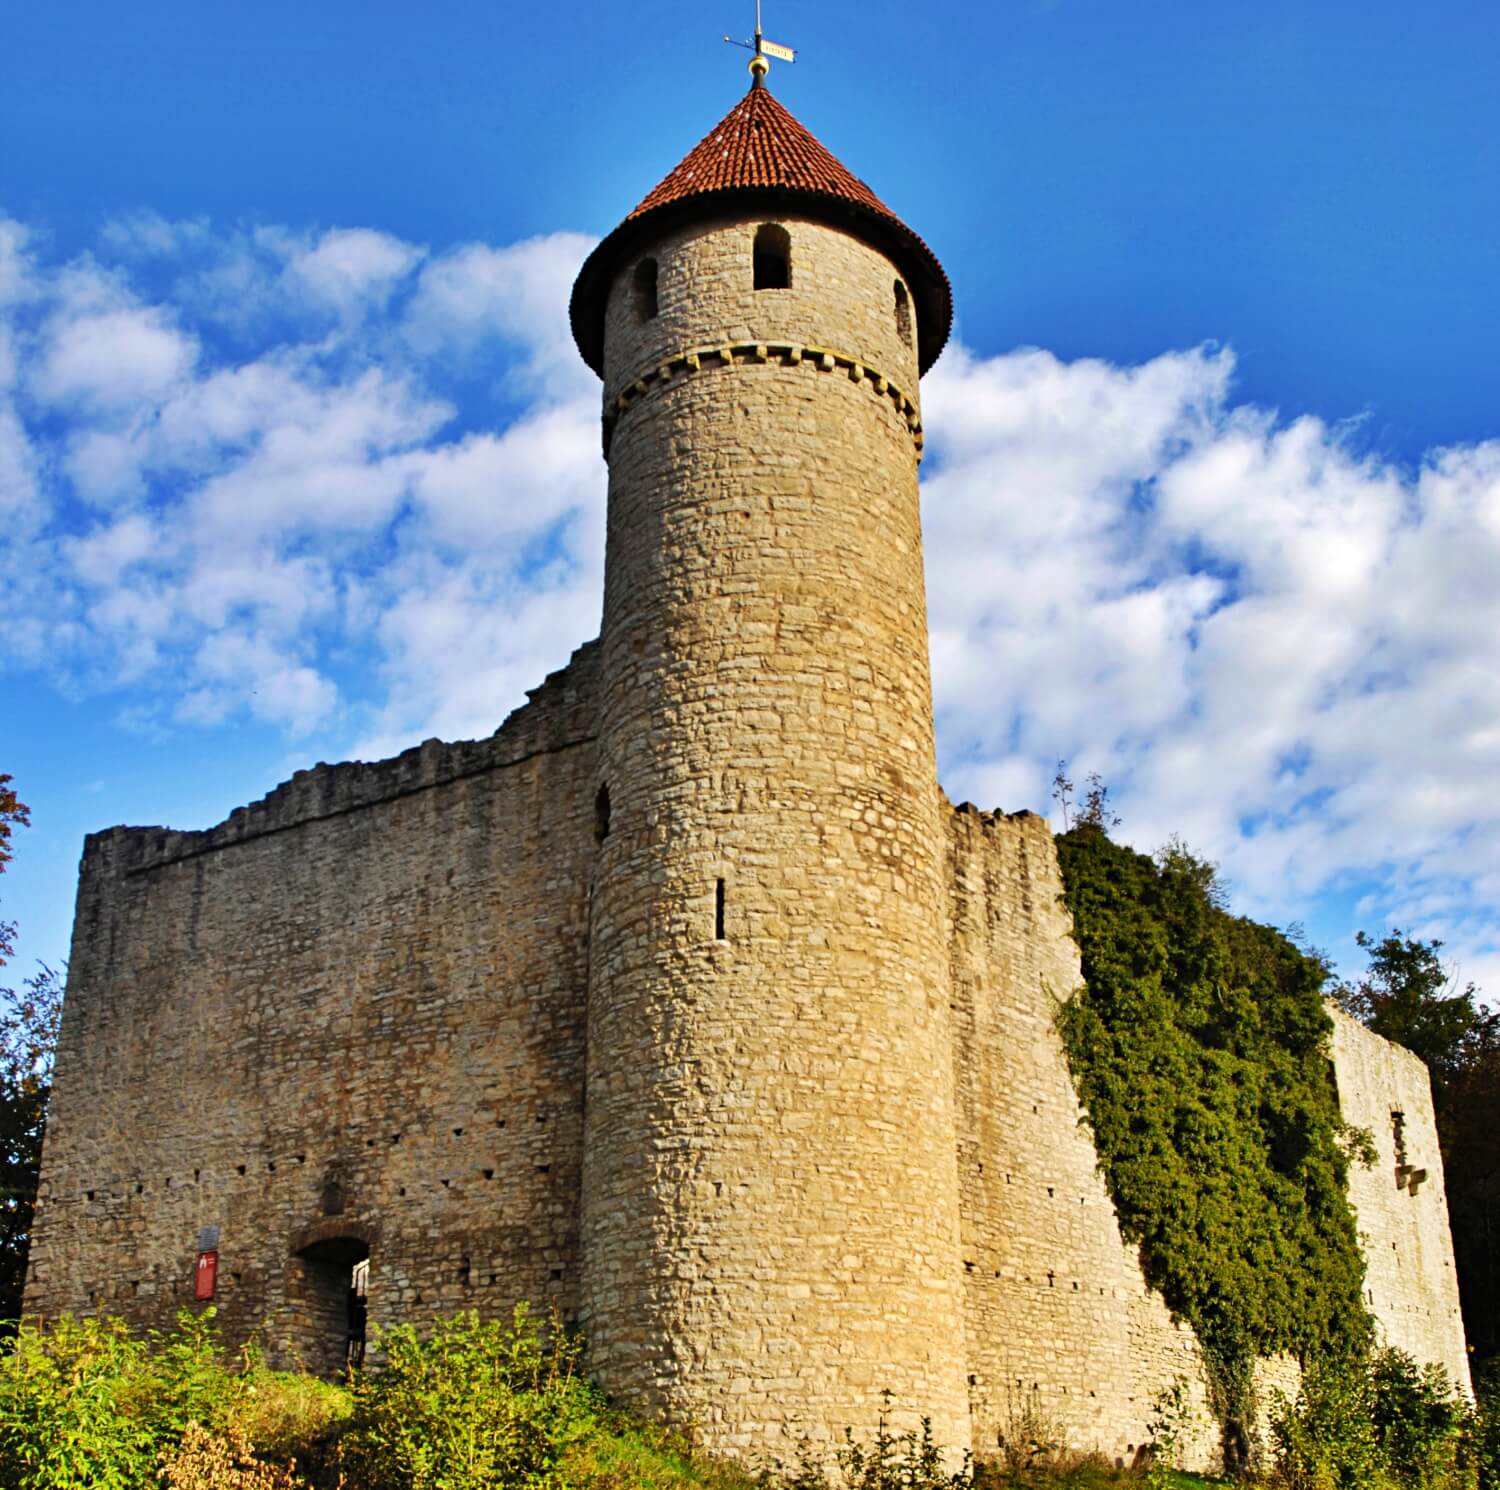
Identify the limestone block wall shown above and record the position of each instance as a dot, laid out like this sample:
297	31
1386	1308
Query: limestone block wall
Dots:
770	1198
1400	1204
1058	1318
352	1014
841	296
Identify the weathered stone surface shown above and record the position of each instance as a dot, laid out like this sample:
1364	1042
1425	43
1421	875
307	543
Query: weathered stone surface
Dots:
770	1207
686	999
356	1009
1399	1202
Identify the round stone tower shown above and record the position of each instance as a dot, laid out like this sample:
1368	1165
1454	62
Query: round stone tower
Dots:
770	1196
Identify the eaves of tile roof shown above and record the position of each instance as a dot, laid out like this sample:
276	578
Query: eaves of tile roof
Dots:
760	155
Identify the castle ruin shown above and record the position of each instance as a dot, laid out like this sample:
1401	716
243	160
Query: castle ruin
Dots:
686	1000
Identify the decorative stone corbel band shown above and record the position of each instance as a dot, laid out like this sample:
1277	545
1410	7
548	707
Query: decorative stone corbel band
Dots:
789	354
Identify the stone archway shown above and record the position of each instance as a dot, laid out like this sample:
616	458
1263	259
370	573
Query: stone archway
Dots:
327	1282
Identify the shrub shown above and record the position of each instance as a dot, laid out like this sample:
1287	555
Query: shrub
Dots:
1325	1440
1484	1426
74	1408
1420	1423
906	1461
285	1415
85	1405
1382	1423
212	1461
476	1404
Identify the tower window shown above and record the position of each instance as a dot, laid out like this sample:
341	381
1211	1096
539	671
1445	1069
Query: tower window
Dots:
773	258
719	911
903	313
645	289
601	814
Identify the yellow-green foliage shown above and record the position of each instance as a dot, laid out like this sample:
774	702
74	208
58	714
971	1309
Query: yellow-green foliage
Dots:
1199	1048
472	1403
85	1405
622	1453
286	1415
1381	1424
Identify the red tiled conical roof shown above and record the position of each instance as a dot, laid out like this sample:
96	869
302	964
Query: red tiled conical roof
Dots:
759	143
760	154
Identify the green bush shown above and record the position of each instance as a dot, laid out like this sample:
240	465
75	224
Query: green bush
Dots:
1486	1426
1423	1427
1382	1424
287	1416
473	1405
84	1405
74	1403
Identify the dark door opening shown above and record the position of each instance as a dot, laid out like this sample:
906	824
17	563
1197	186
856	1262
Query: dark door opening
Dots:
329	1305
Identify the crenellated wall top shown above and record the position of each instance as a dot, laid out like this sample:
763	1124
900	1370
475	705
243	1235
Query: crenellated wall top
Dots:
558	715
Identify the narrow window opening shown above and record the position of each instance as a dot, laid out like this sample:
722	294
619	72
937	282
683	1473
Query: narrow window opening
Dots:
773	258
645	289
719	911
601	815
903	313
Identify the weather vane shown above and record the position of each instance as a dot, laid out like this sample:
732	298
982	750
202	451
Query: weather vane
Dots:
764	50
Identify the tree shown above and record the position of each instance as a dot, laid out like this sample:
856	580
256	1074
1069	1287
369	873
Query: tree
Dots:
1410	997
28	1036
13	813
1094	811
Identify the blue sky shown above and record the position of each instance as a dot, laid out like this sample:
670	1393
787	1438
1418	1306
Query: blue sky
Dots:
297	463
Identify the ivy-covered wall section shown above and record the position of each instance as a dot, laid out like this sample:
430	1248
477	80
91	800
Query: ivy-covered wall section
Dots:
1199	1049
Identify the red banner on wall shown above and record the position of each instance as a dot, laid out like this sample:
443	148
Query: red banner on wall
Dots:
206	1275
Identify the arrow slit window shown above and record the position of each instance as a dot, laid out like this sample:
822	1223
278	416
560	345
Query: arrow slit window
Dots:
773	257
903	313
645	289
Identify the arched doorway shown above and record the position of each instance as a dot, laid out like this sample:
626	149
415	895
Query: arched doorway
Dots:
327	1297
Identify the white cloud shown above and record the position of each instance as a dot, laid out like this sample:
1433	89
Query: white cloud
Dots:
351	269
112	360
211	521
1265	639
476	297
261	475
15	262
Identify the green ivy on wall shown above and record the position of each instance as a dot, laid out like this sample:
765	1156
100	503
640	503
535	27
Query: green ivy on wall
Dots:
1199	1048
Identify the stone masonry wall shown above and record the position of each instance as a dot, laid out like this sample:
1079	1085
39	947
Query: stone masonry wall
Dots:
1400	1204
1058	1316
354	1010
770	1198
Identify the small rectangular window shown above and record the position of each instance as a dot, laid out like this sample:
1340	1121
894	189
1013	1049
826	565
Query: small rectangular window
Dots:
645	289
772	258
719	911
